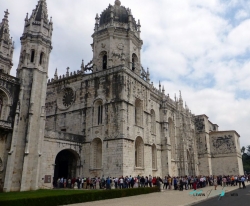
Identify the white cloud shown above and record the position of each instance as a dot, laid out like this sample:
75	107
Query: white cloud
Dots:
199	47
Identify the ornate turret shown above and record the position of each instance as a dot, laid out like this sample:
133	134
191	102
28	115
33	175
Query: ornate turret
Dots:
116	39
6	46
36	39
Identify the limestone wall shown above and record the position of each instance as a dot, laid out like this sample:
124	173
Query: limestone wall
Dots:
225	152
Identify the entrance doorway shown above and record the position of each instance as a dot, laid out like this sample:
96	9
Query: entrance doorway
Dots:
65	164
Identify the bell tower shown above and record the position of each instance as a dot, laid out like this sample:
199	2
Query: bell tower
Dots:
23	164
116	39
6	46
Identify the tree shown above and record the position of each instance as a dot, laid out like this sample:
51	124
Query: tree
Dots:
243	150
248	150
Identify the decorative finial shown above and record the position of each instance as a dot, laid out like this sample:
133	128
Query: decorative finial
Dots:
6	14
117	3
180	96
67	73
82	65
55	75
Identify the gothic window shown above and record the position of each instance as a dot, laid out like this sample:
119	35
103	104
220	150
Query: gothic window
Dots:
134	61
1	106
138	112
97	153
153	123
154	157
32	57
99	112
172	137
104	61
41	58
139	152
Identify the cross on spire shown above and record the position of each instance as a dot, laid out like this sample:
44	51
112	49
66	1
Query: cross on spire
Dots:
6	14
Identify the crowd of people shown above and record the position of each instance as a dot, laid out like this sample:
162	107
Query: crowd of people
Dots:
168	182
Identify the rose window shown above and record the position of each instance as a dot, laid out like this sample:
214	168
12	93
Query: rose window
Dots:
65	98
68	97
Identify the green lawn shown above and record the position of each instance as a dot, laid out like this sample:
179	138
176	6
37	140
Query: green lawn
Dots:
40	193
64	197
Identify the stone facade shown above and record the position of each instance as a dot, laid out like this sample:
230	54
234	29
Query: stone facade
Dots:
105	119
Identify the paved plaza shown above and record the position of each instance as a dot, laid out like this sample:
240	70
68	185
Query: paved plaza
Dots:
166	198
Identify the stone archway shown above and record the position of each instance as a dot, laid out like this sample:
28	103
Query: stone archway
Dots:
66	164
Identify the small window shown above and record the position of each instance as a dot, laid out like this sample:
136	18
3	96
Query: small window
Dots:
134	61
133	64
32	56
104	61
41	58
100	114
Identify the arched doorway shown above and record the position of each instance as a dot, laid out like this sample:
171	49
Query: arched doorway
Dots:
66	164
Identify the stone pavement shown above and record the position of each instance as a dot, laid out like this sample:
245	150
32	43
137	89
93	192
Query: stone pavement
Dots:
166	198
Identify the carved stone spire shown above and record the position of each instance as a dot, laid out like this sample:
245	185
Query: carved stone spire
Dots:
82	66
55	75
6	45
40	12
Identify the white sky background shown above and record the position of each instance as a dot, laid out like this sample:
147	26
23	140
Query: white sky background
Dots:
201	47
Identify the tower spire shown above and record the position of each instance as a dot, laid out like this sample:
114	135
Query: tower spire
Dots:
40	12
6	45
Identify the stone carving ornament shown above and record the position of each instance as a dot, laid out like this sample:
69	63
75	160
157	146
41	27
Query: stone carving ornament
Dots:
223	145
199	124
66	98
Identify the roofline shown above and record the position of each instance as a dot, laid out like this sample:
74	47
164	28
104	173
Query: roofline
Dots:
202	115
213	132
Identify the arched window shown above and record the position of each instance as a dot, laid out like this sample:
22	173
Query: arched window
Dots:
172	137
32	57
153	123
98	112
154	157
138	112
134	61
139	152
41	58
1	106
96	153
104	61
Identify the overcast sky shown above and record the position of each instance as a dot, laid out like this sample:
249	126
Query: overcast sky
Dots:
201	47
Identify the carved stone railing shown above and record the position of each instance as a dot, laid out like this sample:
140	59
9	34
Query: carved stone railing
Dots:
5	125
9	78
64	136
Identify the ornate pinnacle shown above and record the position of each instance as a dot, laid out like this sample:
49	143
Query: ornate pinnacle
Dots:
6	14
82	65
117	3
55	75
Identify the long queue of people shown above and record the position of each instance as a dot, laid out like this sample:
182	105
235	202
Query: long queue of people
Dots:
168	182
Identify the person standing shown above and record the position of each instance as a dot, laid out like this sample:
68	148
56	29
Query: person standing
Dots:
215	182
239	181
224	181
169	182
243	182
150	181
